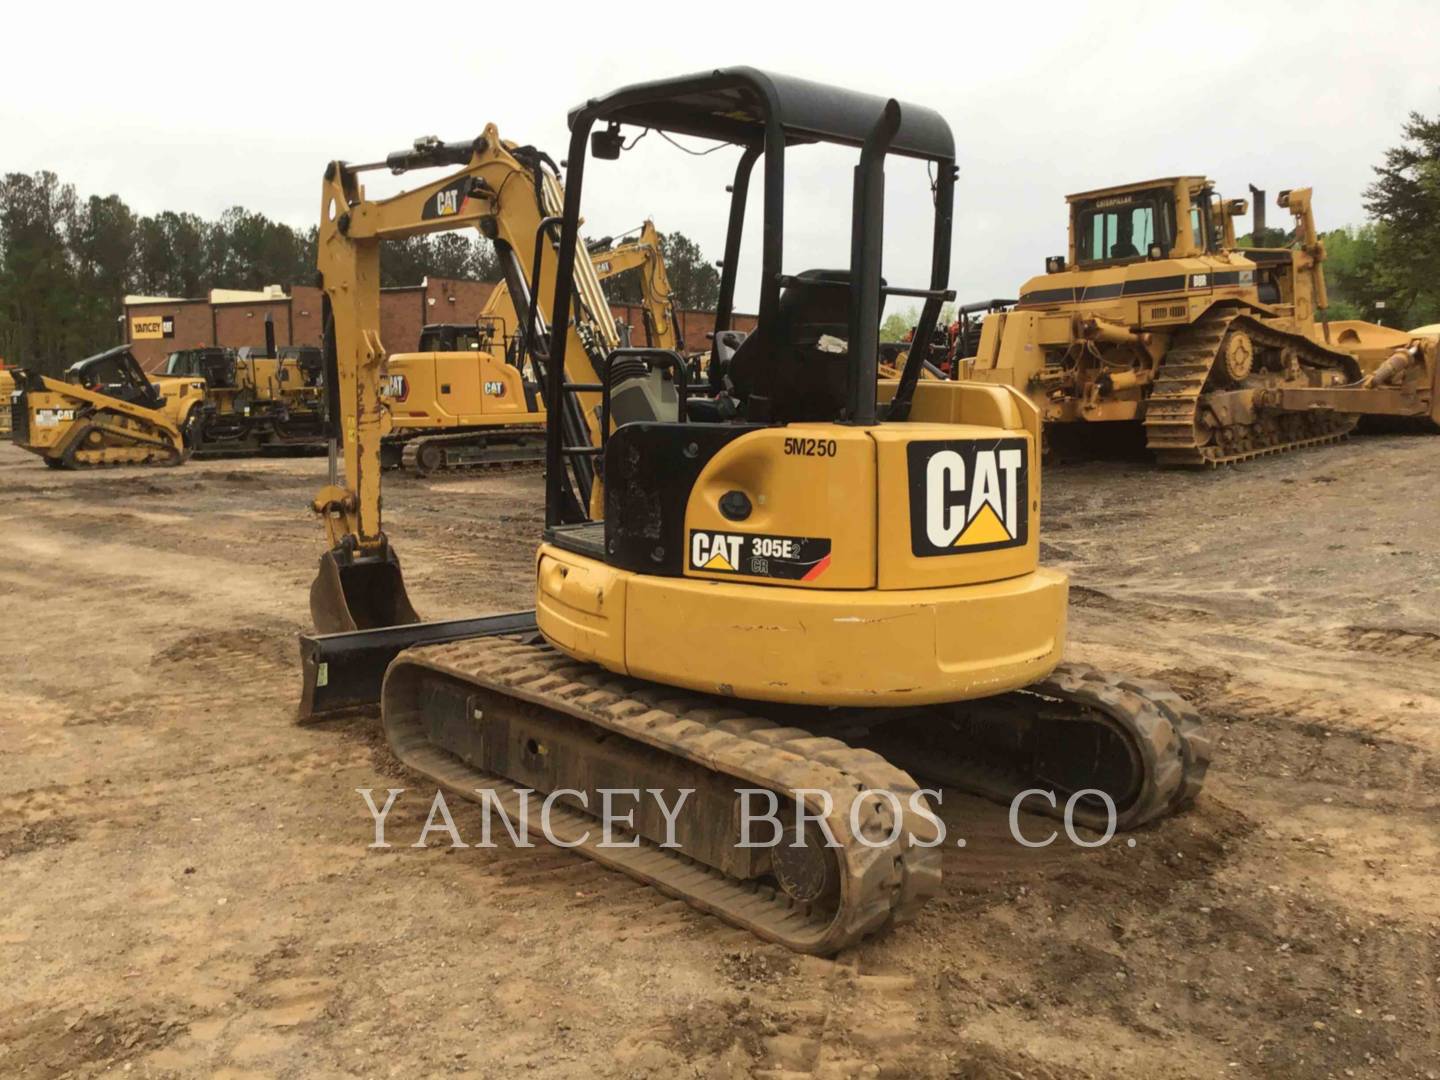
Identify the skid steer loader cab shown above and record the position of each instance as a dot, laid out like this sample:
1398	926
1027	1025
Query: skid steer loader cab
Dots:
116	373
793	531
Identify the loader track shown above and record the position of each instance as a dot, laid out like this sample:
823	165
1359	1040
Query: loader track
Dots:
880	876
1148	745
119	437
1172	411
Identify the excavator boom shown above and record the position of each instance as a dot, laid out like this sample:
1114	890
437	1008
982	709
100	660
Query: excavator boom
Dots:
510	193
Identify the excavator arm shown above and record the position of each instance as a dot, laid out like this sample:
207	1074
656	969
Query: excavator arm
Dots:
511	194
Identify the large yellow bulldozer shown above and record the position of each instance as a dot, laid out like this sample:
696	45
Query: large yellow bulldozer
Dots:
104	412
796	582
1157	317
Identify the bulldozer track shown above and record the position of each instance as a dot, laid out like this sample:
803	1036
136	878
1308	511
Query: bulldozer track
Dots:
884	876
1173	408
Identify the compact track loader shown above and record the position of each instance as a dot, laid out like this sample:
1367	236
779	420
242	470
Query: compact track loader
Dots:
794	580
1158	318
104	412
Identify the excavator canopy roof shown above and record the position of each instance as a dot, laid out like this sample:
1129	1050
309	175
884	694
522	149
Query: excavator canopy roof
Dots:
731	105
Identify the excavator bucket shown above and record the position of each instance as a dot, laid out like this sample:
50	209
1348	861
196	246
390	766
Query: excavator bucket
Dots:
359	592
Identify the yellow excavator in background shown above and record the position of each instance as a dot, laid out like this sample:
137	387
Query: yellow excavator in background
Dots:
1158	317
469	395
640	250
104	412
794	583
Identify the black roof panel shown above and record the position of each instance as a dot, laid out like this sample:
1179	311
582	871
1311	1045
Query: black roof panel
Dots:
81	365
729	104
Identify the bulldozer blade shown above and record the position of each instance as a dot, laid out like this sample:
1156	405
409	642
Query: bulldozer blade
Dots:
359	592
346	671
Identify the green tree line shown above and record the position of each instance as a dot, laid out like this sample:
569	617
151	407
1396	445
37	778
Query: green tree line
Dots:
67	263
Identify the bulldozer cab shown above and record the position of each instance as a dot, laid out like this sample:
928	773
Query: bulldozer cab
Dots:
813	355
1154	219
117	374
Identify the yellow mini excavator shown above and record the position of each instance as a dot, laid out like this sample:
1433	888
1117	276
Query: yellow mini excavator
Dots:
104	412
1158	317
794	582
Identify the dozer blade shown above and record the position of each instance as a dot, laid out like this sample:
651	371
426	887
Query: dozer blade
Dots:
346	671
359	592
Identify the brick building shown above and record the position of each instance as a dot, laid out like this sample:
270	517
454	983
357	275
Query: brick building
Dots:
157	326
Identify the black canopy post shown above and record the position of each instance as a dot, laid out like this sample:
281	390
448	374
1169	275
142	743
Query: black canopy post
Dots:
559	323
867	236
939	276
729	266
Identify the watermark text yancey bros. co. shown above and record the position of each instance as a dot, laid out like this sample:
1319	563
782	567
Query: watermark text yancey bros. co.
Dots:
762	821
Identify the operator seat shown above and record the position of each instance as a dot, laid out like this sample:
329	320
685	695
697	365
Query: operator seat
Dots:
779	371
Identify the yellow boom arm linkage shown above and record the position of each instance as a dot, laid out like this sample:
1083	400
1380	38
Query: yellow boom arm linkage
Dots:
506	192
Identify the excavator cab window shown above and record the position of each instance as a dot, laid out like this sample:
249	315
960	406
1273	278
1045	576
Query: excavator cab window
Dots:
450	337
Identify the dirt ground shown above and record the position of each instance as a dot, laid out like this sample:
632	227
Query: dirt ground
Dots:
185	886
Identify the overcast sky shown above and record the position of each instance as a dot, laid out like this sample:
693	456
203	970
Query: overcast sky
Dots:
200	107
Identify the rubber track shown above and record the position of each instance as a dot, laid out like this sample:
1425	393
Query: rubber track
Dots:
879	885
157	450
1167	734
1174	403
